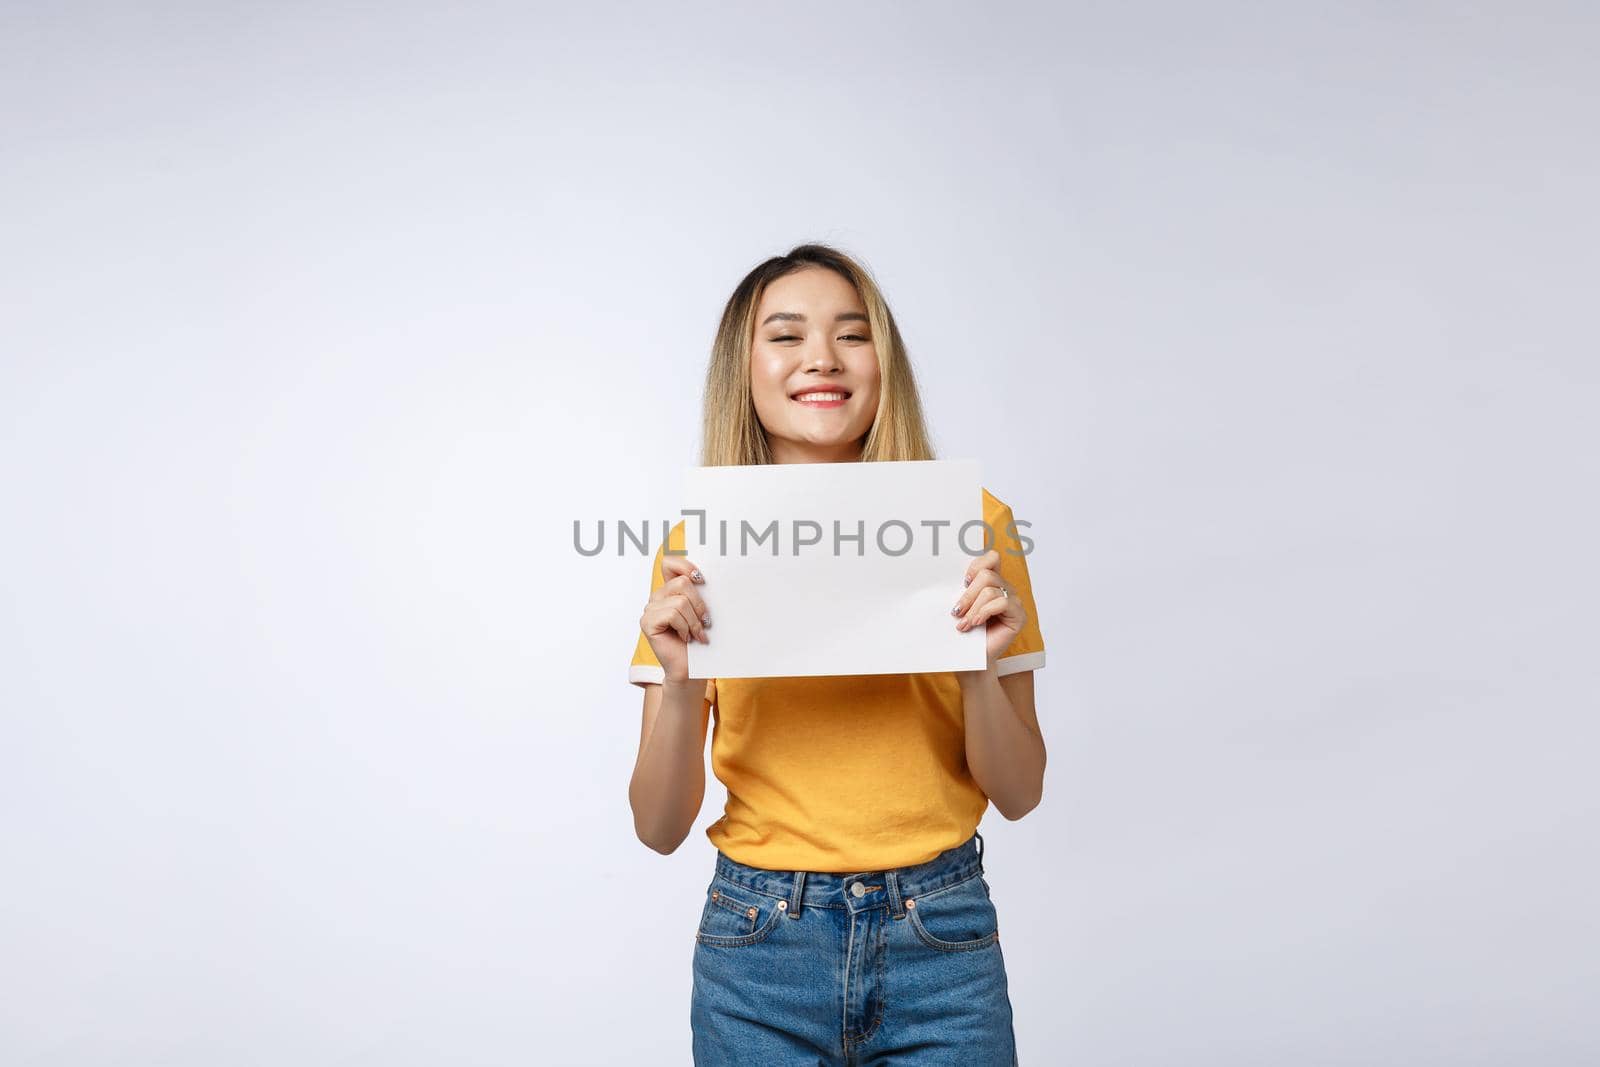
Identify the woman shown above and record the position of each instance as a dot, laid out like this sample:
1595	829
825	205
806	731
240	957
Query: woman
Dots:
847	920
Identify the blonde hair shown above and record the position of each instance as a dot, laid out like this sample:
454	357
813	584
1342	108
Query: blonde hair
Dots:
733	434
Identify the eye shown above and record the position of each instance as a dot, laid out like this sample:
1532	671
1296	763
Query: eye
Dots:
786	337
852	337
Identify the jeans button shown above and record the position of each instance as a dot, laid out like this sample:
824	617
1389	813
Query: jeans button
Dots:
858	890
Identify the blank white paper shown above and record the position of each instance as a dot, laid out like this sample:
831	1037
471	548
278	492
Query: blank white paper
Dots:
782	607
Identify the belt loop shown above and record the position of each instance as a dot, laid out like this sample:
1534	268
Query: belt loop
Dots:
979	838
892	880
796	895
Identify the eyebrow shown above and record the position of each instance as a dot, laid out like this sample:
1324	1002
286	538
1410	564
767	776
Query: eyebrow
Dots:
795	316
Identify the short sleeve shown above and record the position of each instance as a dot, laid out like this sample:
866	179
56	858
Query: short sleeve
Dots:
1026	651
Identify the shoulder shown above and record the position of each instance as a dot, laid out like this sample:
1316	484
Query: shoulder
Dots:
994	509
675	539
1006	529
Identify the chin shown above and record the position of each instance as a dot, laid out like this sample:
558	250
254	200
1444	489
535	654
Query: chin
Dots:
830	440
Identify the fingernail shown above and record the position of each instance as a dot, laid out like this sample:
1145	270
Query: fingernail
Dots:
697	576
956	611
967	580
706	619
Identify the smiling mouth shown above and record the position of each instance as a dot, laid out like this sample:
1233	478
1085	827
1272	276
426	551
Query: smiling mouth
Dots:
822	398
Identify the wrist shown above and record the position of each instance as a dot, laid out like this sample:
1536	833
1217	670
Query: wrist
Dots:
968	679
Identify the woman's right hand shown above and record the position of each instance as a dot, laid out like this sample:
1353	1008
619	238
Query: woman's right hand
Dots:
675	615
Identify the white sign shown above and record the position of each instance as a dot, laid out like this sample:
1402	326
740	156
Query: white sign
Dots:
834	568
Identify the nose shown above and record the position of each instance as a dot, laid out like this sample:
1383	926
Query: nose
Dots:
820	357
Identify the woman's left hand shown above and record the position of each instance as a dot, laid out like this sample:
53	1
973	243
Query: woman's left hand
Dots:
991	603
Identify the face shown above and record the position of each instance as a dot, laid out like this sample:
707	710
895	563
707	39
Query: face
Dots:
813	368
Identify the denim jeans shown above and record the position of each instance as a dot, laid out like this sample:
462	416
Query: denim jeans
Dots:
898	966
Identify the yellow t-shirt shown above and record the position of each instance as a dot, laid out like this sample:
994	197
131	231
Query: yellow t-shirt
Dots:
849	773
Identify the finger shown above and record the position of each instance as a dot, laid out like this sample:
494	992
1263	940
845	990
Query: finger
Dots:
686	610
683	586
985	595
999	608
984	578
989	560
1005	610
989	611
673	566
661	617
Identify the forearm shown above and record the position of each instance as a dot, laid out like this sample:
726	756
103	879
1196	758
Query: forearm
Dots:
1005	754
669	779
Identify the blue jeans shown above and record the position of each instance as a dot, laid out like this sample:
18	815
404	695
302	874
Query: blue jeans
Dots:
898	966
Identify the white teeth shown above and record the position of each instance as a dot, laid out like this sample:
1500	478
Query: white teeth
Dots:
821	396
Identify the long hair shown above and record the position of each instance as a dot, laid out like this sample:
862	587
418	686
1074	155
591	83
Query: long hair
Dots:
733	435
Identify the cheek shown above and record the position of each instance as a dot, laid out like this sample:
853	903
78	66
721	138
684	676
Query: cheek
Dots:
767	381
864	365
870	378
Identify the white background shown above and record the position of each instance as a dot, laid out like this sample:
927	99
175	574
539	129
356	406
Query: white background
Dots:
320	325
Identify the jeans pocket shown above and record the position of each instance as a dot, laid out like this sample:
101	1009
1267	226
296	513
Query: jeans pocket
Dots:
734	916
957	918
